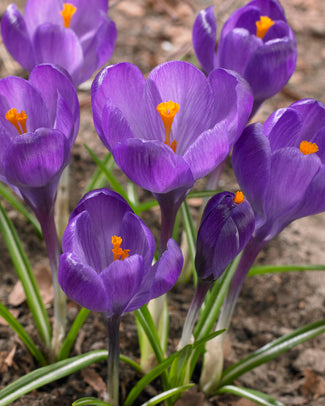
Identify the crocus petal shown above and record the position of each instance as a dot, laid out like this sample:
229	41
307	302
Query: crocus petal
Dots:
153	165
271	8
167	269
87	15
295	170
313	114
82	284
233	101
252	164
236	49
115	128
33	159
283	128
186	85
122	85
56	44
60	97
319	140
208	151
204	38
21	95
270	67
16	38
36	14
127	274
105	38
278	30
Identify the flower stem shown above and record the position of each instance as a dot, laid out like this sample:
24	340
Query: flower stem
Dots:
200	293
53	250
113	327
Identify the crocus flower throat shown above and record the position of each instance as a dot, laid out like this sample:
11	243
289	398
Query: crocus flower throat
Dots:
118	252
67	12
263	25
167	111
308	148
18	120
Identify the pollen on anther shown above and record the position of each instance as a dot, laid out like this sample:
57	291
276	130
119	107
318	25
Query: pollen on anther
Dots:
18	120
67	12
118	252
263	25
308	148
239	197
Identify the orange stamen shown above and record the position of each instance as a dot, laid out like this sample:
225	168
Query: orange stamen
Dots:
308	148
67	12
18	120
239	197
118	252
167	111
263	25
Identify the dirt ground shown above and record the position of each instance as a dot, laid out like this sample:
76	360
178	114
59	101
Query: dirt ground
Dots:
151	32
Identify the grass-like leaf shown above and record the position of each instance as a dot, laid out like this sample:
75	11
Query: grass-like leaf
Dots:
98	180
50	373
166	395
190	232
23	335
272	350
251	394
90	402
265	269
15	202
26	276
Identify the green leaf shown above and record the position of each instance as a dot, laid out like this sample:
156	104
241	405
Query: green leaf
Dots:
90	402
190	232
253	395
26	276
265	269
149	377
72	334
50	373
141	207
166	395
13	200
23	335
272	350
202	193
98	180
109	175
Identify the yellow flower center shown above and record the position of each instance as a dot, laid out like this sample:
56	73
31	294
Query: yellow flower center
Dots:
18	120
239	197
67	12
263	25
308	148
118	252
167	111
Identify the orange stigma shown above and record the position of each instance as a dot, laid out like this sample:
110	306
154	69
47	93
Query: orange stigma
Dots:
18	120
167	111
308	148
239	197
117	250
67	12
263	25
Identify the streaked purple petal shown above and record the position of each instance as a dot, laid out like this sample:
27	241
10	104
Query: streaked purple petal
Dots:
16	38
82	284
204	37
33	159
122	280
56	44
87	16
208	151
279	29
60	97
122	85
167	269
36	14
153	165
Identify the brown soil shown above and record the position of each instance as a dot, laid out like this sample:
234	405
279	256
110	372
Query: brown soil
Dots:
151	32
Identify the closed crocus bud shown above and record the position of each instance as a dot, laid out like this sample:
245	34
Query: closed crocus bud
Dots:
227	224
255	41
78	35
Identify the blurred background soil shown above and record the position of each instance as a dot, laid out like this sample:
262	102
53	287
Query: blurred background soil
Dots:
152	32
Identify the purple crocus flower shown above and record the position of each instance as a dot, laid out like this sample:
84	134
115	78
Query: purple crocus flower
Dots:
255	41
106	264
171	129
78	35
226	226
